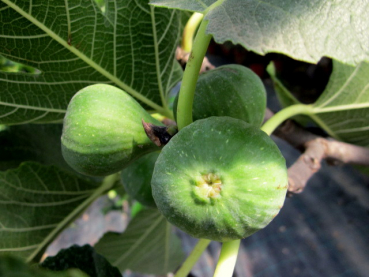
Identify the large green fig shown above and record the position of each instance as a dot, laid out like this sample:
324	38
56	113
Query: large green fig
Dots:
136	179
103	132
229	90
220	178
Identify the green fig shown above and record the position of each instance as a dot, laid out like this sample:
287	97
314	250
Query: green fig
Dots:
136	179
229	90
220	178
103	132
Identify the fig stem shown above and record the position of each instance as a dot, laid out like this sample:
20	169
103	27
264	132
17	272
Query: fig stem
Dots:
190	76
192	258
189	31
227	259
285	114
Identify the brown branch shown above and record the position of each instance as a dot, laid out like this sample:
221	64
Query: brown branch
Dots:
316	149
182	58
306	166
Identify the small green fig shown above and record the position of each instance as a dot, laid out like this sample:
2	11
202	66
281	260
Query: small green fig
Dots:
229	90
136	179
103	131
220	178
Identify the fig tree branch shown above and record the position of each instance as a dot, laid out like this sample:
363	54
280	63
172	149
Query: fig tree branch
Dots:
182	57
315	150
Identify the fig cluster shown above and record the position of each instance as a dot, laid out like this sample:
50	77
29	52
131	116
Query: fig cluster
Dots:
219	178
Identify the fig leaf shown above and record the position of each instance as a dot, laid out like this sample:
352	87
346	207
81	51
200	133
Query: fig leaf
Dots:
342	110
37	203
303	30
148	245
13	267
74	44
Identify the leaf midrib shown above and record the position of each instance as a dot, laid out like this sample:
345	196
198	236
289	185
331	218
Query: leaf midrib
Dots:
318	110
343	87
86	59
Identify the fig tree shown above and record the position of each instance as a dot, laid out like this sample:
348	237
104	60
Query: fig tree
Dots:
220	178
103	130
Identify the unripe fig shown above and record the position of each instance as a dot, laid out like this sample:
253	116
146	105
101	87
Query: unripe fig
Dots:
136	179
220	178
103	132
229	90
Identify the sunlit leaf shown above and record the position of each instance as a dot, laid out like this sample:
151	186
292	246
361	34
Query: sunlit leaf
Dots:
343	108
74	44
304	30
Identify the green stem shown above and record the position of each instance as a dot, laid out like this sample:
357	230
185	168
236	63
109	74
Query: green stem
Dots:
285	114
190	76
192	258
227	259
189	31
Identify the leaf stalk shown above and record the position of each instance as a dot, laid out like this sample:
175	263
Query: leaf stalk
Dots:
190	76
189	31
193	258
285	114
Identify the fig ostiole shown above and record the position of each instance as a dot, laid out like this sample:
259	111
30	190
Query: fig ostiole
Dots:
229	90
136	179
220	178
103	130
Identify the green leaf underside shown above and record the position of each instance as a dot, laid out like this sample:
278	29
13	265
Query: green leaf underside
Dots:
36	203
74	44
343	108
84	258
285	97
304	30
148	245
14	267
31	142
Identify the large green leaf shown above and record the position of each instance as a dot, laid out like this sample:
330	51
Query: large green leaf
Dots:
31	142
343	108
84	258
74	44
14	267
147	246
37	203
304	30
